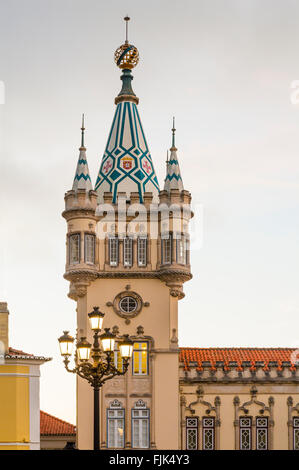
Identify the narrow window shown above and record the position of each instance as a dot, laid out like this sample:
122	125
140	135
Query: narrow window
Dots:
140	359
166	249
262	433
180	251
141	251
187	249
296	433
74	248
116	428
192	433
208	433
140	429
245	433
89	248
118	362
128	251
113	251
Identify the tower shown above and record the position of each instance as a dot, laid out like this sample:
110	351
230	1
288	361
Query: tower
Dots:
128	253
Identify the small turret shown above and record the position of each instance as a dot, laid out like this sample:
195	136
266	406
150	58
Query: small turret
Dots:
173	178
80	214
82	178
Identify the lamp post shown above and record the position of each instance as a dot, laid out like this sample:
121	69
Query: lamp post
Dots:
101	366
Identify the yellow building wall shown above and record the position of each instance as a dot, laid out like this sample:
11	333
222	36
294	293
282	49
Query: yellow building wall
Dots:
14	406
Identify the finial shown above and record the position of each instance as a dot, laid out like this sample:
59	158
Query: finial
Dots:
173	133
127	19
127	55
82	133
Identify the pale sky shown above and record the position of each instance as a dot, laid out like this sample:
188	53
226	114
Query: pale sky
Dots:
224	69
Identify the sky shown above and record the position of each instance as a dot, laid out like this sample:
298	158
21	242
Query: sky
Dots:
225	70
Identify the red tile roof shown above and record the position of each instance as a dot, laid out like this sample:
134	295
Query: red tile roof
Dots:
17	353
238	355
52	426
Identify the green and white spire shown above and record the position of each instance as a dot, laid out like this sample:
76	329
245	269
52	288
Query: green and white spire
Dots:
82	178
173	178
126	165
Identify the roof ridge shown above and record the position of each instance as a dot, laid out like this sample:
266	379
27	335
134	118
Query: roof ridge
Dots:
58	419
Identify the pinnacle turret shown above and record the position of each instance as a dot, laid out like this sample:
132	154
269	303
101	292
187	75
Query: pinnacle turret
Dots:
173	178
82	178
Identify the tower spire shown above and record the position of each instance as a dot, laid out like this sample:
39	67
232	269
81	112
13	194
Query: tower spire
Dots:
173	133
173	178
82	132
82	178
127	164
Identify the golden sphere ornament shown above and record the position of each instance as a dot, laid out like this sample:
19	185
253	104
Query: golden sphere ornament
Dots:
126	56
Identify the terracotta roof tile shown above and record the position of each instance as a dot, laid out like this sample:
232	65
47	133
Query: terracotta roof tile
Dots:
17	353
52	426
238	355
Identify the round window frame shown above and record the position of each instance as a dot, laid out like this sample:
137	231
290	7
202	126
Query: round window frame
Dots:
130	298
116	304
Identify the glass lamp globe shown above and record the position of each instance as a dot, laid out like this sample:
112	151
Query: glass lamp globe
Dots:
66	343
83	349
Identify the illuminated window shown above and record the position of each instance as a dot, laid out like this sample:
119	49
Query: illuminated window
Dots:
296	433
118	362
261	433
140	426
128	251
192	433
113	251
89	249
116	428
166	245
141	251
140	359
74	248
208	433
245	433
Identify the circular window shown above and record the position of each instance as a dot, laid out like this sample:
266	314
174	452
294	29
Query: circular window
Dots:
128	304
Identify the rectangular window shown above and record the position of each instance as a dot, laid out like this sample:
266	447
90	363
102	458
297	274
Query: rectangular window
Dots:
140	359
116	428
113	251
141	251
74	248
118	362
261	433
166	244
296	433
245	433
89	248
180	251
140	429
208	433
192	433
128	251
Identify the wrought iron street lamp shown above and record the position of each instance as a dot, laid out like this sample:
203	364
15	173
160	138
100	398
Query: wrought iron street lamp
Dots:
95	363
